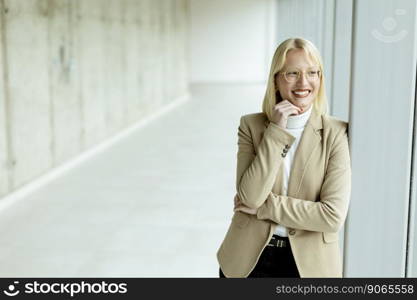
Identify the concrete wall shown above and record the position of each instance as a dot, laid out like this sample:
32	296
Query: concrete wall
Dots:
231	41
75	72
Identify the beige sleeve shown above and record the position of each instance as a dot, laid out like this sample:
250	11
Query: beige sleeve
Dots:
326	215
256	172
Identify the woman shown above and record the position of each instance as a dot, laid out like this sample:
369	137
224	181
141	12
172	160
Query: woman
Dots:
293	177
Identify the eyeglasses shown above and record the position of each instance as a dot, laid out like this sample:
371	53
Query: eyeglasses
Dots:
292	75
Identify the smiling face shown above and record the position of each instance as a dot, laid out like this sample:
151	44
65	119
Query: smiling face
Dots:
300	92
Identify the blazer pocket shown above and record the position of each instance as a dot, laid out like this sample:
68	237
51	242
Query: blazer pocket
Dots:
240	219
330	237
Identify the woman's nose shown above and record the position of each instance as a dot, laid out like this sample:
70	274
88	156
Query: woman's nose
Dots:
303	78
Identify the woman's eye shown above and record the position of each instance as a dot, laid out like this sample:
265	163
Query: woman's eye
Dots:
292	73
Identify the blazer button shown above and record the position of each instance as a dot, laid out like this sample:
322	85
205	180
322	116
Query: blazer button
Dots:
285	150
287	146
291	232
283	154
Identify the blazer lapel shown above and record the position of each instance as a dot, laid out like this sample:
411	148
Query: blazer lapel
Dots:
277	187
310	140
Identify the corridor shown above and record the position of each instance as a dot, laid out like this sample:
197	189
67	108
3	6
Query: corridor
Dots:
155	204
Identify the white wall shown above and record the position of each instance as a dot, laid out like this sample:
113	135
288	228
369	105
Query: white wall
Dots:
231	41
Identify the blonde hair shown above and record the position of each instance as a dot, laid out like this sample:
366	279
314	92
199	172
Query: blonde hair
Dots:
278	61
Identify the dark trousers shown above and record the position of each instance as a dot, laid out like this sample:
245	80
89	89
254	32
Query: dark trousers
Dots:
274	262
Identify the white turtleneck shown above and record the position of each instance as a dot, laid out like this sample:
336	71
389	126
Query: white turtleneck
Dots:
295	127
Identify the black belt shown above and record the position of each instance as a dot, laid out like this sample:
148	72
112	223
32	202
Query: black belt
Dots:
278	241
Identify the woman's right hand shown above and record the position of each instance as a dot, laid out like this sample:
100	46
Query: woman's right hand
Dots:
282	111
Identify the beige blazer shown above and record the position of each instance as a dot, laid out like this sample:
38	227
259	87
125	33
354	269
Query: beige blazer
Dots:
317	201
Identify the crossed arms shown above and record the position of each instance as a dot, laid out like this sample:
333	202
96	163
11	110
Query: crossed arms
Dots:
256	176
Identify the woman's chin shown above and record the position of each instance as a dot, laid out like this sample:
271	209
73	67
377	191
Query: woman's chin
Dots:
304	104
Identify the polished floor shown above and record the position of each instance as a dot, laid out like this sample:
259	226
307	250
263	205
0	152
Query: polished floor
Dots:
156	204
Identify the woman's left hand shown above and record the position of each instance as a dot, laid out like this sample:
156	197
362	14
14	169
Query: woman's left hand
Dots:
239	206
